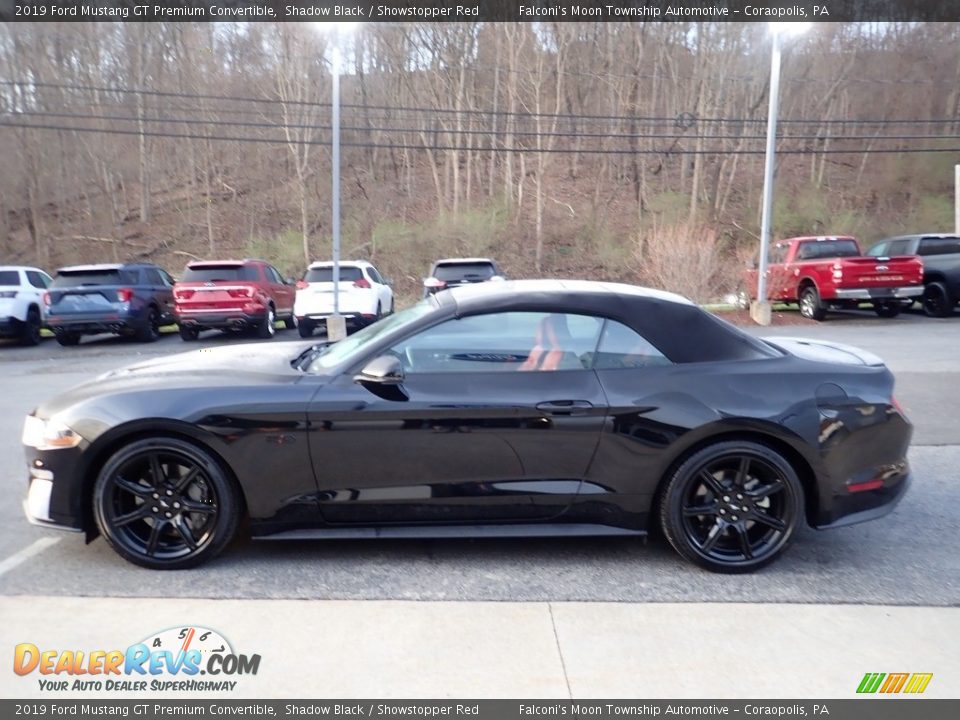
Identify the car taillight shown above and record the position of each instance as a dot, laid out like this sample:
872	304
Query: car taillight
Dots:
432	282
897	406
46	299
244	292
125	294
183	294
302	284
362	283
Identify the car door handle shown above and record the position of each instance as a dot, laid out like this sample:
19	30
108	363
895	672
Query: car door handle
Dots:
564	407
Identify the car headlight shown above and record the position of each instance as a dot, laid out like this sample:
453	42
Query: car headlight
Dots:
48	434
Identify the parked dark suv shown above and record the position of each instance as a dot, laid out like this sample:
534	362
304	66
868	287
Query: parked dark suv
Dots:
452	272
940	254
132	300
233	295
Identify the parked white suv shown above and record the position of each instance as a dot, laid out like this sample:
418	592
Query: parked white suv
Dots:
364	295
21	302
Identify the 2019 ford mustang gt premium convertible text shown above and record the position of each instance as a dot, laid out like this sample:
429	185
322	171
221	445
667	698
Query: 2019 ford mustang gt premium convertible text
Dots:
515	408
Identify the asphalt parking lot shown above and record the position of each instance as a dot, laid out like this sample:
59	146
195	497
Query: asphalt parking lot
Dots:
907	558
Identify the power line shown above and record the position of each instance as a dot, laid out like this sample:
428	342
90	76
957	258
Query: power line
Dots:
453	148
454	111
468	131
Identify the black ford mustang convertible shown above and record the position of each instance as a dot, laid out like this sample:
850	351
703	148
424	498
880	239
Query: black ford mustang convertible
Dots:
520	408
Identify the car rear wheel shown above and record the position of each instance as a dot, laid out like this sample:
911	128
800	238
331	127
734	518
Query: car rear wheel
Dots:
150	330
306	328
732	507
291	322
30	332
68	339
188	334
266	329
165	504
810	305
889	309
937	301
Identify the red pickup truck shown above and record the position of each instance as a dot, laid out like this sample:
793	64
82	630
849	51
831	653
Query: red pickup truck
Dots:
821	273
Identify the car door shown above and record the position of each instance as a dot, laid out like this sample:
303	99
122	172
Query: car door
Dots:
283	293
494	421
384	292
161	288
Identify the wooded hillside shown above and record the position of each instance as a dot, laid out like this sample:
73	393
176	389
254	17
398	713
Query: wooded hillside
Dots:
622	151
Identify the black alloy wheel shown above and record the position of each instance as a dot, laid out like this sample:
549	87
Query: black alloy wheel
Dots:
887	309
30	332
732	507
149	331
165	504
68	339
188	334
937	301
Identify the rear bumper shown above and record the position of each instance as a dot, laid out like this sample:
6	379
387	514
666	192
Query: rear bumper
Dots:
9	327
860	507
350	318
230	320
888	293
93	324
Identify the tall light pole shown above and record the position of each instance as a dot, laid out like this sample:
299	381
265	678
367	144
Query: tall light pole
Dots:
761	309
336	326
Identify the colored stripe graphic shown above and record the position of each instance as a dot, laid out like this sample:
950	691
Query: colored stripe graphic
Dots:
894	682
918	682
870	682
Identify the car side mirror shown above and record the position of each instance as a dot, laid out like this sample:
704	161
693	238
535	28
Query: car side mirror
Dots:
383	376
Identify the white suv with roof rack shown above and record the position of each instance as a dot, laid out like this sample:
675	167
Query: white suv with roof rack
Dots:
364	297
21	302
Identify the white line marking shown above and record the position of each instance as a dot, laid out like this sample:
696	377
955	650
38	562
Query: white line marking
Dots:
37	547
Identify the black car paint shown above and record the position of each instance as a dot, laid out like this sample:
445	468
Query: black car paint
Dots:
320	450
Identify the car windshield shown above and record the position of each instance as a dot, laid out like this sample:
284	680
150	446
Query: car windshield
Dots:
459	271
348	273
90	277
214	273
338	353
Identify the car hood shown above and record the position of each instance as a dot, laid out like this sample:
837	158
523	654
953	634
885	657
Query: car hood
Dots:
226	366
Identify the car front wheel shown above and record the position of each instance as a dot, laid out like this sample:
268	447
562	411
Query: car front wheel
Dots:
937	301
889	309
732	507
30	332
306	328
188	334
165	504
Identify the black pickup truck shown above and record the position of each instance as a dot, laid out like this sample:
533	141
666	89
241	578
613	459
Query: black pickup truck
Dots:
941	267
132	300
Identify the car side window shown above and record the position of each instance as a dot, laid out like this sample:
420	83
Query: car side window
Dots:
897	247
622	347
375	276
503	342
36	279
939	246
166	277
878	250
153	277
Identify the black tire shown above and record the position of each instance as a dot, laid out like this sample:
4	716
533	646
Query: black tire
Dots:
393	305
149	331
888	309
165	504
938	302
30	332
188	334
68	339
306	328
720	481
265	328
811	306
291	322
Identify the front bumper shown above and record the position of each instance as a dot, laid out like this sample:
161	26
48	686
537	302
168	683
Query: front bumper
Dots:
881	293
55	489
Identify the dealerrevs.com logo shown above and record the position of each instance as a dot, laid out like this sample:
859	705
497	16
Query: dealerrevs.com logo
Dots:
180	659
